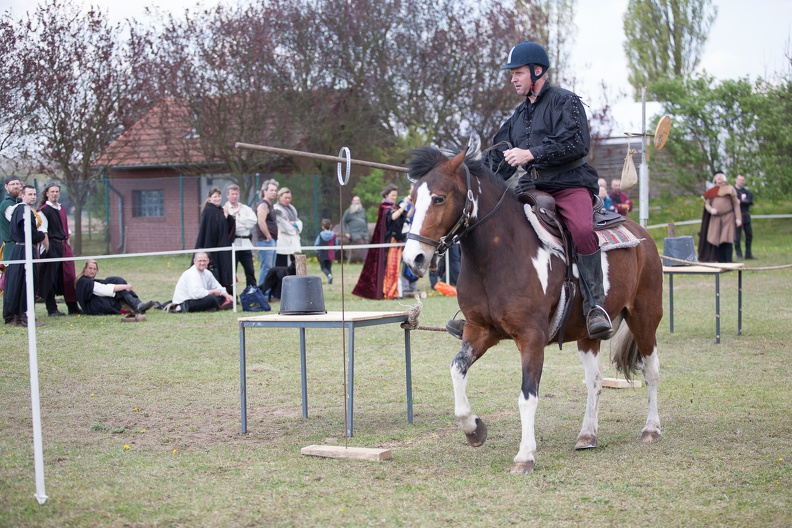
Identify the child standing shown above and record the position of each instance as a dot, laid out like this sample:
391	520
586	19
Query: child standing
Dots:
326	256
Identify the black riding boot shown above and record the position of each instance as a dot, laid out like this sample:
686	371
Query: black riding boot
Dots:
135	303
593	291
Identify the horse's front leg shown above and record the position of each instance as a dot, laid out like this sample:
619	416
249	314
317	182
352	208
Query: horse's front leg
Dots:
475	430
532	358
588	351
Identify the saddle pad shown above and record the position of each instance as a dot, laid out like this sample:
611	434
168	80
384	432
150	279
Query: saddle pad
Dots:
613	238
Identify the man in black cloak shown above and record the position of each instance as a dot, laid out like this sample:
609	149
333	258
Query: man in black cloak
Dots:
215	231
104	296
15	296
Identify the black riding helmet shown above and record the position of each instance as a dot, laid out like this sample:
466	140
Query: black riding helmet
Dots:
530	54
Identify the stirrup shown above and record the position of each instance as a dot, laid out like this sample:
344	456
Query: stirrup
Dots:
455	327
600	334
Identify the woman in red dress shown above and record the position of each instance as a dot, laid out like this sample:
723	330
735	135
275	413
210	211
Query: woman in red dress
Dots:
380	276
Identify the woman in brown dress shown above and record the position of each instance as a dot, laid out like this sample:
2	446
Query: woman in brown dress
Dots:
722	204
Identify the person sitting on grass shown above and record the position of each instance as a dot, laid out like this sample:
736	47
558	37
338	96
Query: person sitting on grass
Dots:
104	296
198	290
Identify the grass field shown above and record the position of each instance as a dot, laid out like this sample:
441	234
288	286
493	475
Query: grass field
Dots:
168	389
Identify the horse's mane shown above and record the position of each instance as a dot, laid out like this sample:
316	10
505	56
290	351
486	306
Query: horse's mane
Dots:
427	158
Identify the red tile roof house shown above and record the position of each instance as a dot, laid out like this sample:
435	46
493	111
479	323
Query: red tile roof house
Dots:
158	179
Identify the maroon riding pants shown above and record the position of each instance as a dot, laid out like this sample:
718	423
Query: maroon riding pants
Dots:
575	207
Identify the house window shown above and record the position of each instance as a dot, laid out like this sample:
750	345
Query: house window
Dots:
148	204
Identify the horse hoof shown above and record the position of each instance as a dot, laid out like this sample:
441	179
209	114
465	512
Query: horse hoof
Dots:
523	468
477	437
586	442
648	437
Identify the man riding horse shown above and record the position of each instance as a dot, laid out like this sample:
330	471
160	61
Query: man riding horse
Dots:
548	138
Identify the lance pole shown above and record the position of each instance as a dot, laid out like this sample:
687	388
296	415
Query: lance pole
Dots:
324	157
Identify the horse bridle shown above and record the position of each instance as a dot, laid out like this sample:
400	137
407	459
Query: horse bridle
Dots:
462	226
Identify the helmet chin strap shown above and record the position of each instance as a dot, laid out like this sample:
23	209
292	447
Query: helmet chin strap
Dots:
535	78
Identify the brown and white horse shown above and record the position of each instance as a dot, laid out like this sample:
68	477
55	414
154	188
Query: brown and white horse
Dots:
510	287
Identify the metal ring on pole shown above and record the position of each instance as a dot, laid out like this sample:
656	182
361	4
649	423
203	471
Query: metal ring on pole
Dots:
344	152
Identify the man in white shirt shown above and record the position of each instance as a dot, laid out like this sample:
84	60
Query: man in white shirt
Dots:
245	220
198	289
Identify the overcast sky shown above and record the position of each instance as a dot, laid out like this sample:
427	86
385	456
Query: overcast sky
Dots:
747	39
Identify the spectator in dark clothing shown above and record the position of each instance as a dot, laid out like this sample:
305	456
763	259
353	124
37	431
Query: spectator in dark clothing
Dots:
214	232
454	263
746	201
104	296
326	256
15	296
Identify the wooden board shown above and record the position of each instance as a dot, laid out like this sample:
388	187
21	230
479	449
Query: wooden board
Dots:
358	453
618	383
661	132
712	269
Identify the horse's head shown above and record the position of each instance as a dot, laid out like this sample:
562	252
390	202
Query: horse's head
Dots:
443	205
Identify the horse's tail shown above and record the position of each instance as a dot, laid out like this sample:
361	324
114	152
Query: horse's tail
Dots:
624	354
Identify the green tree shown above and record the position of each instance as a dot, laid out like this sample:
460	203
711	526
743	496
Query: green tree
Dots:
774	136
553	21
665	38
14	106
76	84
733	126
370	191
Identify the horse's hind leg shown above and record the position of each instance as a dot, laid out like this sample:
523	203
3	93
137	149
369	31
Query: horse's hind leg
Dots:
474	428
651	372
639	346
588	351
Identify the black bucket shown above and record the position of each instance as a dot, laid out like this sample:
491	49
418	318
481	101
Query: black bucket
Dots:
302	295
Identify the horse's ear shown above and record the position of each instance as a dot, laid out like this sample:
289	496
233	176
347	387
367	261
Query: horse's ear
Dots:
474	148
457	160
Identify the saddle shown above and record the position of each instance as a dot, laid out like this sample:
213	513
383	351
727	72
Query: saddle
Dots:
543	206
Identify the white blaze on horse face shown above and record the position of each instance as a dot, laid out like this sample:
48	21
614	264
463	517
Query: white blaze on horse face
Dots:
542	264
413	248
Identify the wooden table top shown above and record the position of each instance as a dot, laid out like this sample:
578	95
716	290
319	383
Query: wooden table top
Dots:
722	267
327	317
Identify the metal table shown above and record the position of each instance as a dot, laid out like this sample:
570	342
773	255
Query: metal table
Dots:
706	270
348	320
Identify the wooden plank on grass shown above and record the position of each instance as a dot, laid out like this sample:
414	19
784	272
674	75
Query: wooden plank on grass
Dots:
618	383
358	453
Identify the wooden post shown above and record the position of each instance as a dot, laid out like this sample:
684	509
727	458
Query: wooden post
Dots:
671	229
301	264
